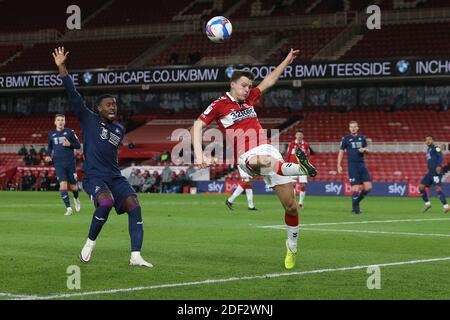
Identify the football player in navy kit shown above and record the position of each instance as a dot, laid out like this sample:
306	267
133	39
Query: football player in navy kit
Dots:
356	146
61	145
103	180
434	176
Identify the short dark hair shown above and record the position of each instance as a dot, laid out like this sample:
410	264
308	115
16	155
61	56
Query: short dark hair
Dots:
59	115
299	130
103	96
242	73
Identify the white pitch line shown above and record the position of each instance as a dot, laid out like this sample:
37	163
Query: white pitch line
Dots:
16	296
212	281
380	232
282	226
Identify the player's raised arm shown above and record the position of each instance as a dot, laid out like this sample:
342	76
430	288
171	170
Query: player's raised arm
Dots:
76	102
272	78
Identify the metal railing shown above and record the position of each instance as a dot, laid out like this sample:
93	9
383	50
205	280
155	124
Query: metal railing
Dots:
380	147
410	15
46	35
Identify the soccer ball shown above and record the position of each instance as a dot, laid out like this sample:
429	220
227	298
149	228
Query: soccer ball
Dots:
218	29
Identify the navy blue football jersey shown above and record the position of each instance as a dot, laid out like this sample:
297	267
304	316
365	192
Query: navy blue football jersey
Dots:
59	153
100	139
351	144
434	158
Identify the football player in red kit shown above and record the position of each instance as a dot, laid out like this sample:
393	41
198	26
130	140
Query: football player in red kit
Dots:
236	118
300	181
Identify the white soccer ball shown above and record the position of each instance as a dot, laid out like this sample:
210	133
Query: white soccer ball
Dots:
218	29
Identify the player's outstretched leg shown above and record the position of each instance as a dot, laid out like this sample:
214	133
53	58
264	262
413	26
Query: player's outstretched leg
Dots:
424	195
136	230
285	193
105	204
304	163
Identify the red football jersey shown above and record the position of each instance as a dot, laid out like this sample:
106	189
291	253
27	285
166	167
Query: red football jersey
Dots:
238	120
291	150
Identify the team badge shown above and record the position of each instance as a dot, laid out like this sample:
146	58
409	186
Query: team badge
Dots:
104	134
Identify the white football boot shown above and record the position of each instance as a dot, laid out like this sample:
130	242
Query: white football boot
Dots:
137	260
77	204
68	212
86	252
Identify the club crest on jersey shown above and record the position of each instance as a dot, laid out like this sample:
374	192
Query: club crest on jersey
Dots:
104	134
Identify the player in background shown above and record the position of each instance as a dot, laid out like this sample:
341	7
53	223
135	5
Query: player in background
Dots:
434	176
103	181
62	143
236	118
244	184
356	146
299	142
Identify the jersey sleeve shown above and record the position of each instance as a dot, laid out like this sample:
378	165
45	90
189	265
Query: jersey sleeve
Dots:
74	141
253	97
76	101
211	113
50	145
343	144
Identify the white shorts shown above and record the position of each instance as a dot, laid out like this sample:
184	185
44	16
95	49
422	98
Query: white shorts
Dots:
272	178
244	175
301	179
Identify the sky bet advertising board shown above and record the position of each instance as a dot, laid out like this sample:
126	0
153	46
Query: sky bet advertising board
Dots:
319	188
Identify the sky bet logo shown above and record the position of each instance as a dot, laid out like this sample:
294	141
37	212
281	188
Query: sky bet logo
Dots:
215	187
334	188
397	189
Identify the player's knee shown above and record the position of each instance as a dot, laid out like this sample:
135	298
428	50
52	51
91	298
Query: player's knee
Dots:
131	203
105	200
290	207
421	187
265	161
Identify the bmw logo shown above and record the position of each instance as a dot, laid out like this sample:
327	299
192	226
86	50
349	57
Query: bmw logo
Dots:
229	71
87	77
402	66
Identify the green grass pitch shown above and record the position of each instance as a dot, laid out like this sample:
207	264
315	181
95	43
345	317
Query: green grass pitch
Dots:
194	238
